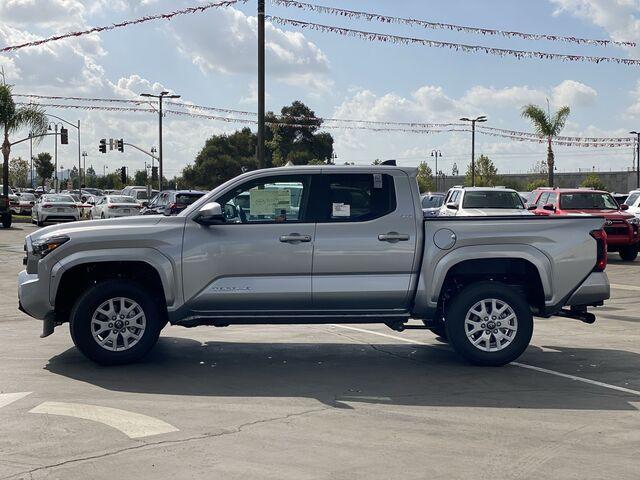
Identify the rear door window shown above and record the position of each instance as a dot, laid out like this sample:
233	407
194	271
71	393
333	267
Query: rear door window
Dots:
355	197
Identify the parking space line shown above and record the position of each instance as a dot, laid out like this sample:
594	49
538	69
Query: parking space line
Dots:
133	425
632	288
7	398
517	364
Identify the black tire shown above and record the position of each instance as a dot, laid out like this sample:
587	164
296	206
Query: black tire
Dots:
94	297
6	220
457	331
629	254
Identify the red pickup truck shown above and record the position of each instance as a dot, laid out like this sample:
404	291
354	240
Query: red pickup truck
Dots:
623	235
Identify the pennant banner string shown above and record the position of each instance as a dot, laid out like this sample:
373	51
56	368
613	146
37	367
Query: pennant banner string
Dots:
400	40
371	17
126	23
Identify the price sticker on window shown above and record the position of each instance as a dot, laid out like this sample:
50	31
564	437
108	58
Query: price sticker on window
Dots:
341	210
377	180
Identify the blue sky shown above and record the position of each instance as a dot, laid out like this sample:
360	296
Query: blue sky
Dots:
210	60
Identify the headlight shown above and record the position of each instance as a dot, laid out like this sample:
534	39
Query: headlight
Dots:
44	246
634	221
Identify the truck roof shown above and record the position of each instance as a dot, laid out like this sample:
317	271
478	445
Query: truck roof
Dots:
411	171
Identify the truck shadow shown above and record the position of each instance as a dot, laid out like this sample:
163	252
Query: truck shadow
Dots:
337	374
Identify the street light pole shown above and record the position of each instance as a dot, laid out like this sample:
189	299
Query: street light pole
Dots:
84	169
637	134
31	156
260	146
162	95
480	119
436	154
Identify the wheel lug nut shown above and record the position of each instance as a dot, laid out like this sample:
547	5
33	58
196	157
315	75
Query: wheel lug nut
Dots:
486	318
482	326
495	331
113	318
121	316
127	323
494	317
110	325
499	324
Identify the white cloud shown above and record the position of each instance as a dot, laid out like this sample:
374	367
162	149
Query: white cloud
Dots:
574	94
291	58
617	17
49	13
482	97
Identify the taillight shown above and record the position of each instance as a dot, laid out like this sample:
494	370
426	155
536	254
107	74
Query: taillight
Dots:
46	205
601	242
112	206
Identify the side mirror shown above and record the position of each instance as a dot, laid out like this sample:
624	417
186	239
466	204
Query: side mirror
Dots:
550	207
452	206
624	207
532	207
210	214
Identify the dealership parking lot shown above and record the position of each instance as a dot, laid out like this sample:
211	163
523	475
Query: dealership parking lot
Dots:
331	401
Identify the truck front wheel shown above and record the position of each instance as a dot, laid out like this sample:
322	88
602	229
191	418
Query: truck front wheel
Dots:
629	254
489	323
115	322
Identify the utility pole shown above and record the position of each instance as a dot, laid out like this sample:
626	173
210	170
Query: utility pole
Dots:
31	156
436	154
84	168
55	156
637	166
260	146
162	95
480	119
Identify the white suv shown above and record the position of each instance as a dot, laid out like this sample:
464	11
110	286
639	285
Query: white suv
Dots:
482	202
633	200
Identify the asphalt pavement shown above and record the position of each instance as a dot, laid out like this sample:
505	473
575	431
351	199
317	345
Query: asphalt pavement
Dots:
320	402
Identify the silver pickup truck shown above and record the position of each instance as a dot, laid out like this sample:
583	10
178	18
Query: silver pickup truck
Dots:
313	245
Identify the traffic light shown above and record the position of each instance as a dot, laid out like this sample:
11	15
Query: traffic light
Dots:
123	175
102	147
120	145
64	136
154	174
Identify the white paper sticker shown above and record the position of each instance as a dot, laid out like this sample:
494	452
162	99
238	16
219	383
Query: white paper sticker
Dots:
341	210
377	180
269	201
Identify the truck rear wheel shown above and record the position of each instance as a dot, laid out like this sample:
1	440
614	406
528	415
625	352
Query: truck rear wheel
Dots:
489	324
629	254
115	322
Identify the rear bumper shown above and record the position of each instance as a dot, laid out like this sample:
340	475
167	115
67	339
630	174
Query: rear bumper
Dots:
593	291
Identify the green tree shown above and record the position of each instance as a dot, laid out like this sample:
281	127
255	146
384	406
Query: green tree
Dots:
295	138
18	172
548	126
425	178
222	158
486	173
510	183
44	166
12	119
593	181
140	177
535	184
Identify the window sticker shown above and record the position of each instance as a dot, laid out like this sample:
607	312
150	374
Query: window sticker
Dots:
377	180
269	201
341	210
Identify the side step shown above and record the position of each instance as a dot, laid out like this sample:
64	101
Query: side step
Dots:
578	313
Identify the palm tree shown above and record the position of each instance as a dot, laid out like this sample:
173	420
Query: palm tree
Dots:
547	126
14	118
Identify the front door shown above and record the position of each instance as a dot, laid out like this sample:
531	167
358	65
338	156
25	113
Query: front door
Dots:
365	242
260	259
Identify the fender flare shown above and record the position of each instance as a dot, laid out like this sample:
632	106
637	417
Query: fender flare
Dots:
167	271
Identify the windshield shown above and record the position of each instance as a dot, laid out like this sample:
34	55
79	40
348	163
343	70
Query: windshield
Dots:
58	198
631	200
492	199
28	197
432	201
142	194
587	201
187	198
121	199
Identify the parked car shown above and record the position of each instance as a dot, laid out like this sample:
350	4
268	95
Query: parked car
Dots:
171	202
622	228
14	203
360	252
482	201
26	202
54	207
431	203
114	206
633	201
620	197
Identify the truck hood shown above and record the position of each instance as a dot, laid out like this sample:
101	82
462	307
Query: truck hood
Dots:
494	212
103	229
608	214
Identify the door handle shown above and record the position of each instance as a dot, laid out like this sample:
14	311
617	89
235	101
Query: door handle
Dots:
295	238
393	237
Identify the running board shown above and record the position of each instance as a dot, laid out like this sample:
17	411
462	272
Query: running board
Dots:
577	314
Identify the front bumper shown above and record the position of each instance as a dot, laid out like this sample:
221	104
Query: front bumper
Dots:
33	296
593	291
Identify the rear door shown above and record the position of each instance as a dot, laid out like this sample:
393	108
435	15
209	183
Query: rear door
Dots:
365	241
